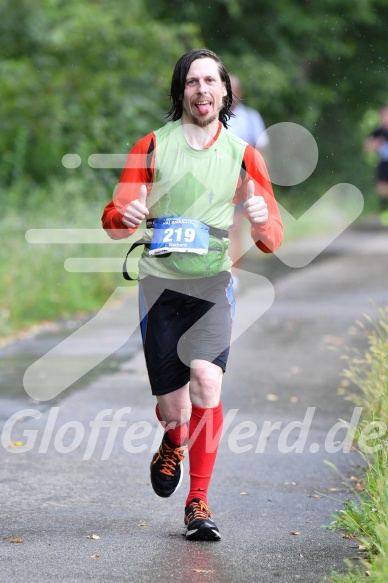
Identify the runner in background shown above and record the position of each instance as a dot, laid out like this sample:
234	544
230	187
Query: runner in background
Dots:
377	142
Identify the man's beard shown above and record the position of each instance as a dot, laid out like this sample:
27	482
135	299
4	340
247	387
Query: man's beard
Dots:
199	122
203	123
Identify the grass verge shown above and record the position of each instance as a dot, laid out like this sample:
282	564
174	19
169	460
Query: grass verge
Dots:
35	283
365	516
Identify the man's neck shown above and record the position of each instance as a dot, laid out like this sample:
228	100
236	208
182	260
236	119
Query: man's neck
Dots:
199	137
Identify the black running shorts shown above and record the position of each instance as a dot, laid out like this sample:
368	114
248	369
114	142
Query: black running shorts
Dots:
183	320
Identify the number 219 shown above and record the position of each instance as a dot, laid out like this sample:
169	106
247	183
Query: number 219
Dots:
188	236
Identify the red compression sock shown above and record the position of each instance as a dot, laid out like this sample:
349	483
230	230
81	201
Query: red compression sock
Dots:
178	434
205	430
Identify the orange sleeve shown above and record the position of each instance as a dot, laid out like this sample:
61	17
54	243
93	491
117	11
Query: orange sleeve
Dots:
269	236
138	170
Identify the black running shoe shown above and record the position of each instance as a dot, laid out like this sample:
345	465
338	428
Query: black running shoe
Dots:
167	468
199	523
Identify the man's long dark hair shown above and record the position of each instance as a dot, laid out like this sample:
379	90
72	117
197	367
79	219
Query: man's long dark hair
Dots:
178	82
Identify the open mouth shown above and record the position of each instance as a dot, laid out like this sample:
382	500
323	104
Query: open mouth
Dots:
203	106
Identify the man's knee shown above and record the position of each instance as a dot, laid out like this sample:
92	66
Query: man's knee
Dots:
205	384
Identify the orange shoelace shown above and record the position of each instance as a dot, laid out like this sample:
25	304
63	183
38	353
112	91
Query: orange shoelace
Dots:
171	458
198	510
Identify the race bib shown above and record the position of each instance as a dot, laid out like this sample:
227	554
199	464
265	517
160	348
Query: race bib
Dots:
179	235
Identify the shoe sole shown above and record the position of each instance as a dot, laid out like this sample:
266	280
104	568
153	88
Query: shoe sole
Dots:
163	494
207	534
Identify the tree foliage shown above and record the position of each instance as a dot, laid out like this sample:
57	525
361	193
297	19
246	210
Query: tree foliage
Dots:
93	76
81	77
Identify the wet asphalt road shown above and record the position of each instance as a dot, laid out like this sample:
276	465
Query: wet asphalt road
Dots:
76	481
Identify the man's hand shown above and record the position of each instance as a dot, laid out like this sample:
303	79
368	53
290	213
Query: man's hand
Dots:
255	206
136	211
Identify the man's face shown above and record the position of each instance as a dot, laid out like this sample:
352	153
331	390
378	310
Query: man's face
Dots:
203	93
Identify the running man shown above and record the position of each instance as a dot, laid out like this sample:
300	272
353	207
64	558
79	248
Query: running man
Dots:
185	179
